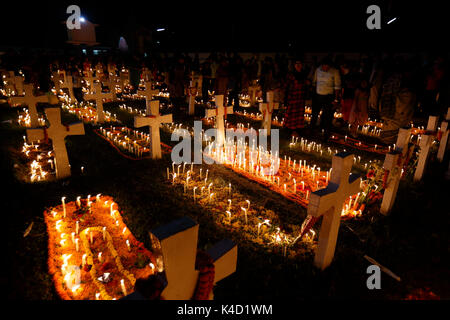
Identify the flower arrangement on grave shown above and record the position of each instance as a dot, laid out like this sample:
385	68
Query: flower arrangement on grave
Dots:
92	253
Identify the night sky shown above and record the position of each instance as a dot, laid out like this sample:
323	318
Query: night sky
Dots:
236	25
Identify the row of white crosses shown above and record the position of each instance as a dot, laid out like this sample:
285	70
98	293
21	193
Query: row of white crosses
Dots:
153	120
176	246
394	160
57	133
266	109
30	100
219	113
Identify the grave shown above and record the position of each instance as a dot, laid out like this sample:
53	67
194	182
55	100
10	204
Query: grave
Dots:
176	248
153	120
98	96
30	100
329	202
68	84
393	163
57	133
219	113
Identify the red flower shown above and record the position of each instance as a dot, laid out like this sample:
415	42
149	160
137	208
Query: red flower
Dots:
370	174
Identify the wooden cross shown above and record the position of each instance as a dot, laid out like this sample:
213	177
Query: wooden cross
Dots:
219	112
113	80
176	247
329	202
56	79
98	96
30	100
153	120
148	93
394	163
124	78
267	110
443	144
57	133
425	144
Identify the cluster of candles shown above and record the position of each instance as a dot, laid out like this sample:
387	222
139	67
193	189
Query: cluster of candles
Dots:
258	116
86	111
24	119
9	82
130	140
230	206
41	161
69	228
312	147
294	180
245	100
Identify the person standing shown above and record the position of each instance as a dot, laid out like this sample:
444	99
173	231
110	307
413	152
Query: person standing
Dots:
359	111
296	89
327	82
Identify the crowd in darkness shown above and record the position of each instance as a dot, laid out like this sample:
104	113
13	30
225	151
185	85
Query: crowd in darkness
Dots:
391	87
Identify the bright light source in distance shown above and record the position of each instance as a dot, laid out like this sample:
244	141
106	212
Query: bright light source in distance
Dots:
392	20
160	29
82	19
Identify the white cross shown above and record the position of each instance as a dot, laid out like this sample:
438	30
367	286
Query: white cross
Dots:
89	77
328	202
98	96
252	90
68	83
176	247
219	112
267	110
148	93
391	163
425	143
30	100
443	144
154	121
57	132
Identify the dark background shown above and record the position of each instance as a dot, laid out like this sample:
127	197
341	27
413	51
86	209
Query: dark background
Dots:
235	25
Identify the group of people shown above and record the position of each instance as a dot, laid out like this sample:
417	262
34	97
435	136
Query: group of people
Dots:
391	88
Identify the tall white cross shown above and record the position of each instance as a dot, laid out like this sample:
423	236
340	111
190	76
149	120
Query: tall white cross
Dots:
394	162
443	144
175	245
30	100
57	133
266	109
154	121
98	96
148	93
219	112
425	143
329	202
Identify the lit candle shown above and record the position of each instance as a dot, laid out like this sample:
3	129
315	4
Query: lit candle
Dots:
229	216
248	202
76	244
97	296
104	233
79	201
64	205
100	257
245	213
229	204
285	187
229	191
128	245
77	227
122	284
168	177
295	186
201	173
307	194
83	260
91	237
194	193
73	237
